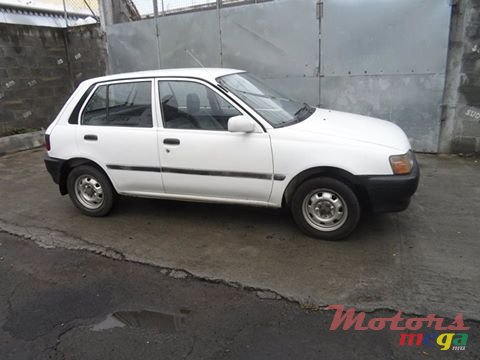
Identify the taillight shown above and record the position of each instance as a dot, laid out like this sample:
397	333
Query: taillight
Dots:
47	142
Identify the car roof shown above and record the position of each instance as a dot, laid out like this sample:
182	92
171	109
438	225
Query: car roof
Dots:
209	74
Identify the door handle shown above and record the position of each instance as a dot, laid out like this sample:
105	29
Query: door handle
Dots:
91	137
170	141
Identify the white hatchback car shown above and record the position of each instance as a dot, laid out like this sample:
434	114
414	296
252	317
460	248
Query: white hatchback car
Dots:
221	135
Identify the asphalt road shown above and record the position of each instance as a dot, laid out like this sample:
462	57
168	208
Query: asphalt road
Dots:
422	260
58	304
220	263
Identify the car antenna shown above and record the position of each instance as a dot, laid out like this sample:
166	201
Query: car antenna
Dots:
204	68
198	62
194	58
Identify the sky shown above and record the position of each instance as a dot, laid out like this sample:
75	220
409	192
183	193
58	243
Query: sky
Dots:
145	7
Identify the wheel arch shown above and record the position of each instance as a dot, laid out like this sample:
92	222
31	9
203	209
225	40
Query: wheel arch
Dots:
326	171
73	163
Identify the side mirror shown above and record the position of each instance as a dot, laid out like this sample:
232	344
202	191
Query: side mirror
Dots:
241	123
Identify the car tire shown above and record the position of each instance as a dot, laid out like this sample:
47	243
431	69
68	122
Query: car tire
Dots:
91	191
325	208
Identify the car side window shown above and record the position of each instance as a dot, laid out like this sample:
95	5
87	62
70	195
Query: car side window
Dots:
191	105
124	104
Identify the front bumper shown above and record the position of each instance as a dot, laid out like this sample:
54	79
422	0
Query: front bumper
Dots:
390	193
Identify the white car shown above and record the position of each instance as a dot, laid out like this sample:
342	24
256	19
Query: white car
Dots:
221	135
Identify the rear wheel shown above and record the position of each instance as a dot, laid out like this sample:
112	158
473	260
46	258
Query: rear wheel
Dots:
91	191
325	208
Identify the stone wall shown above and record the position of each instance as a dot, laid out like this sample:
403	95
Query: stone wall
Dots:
461	122
39	69
467	138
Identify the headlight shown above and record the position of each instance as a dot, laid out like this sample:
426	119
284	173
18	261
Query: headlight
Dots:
402	164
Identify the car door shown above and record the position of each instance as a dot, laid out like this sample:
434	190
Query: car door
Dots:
118	131
199	156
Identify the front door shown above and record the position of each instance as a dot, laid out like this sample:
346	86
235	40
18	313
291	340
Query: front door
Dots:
199	156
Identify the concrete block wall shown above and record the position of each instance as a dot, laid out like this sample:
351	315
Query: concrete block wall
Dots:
87	51
39	69
461	123
467	138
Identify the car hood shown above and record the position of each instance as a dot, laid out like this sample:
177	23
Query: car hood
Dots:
354	127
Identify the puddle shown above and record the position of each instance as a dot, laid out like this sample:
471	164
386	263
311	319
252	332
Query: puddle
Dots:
144	319
109	323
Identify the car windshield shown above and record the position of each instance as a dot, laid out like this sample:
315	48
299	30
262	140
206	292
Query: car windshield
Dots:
277	109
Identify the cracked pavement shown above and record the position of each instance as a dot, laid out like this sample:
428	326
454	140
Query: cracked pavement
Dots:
55	304
421	261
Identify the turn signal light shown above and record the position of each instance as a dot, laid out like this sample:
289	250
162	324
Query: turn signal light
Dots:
402	164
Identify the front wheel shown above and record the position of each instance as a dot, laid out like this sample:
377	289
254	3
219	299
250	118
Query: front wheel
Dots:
325	208
91	191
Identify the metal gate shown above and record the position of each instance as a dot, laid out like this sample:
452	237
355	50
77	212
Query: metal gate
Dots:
383	58
277	40
387	58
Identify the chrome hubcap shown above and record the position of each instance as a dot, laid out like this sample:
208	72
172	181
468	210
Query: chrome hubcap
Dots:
325	210
89	192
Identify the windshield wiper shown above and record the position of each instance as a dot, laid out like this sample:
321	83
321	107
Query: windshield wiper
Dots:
305	110
305	107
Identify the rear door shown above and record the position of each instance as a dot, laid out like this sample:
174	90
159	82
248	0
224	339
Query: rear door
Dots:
118	131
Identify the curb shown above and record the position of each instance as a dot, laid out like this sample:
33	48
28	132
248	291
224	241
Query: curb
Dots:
19	142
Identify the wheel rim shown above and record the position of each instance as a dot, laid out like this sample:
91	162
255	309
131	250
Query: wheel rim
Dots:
89	192
325	210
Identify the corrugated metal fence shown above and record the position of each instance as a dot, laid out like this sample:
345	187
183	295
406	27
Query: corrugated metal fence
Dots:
374	57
